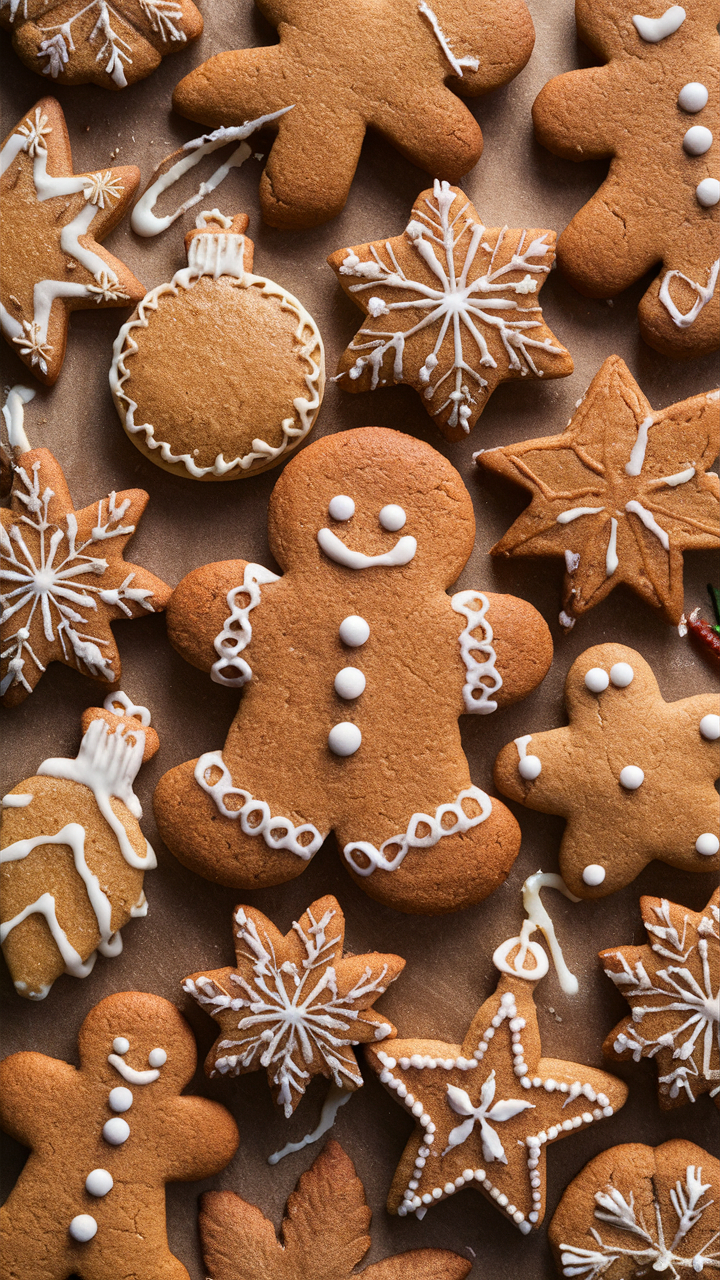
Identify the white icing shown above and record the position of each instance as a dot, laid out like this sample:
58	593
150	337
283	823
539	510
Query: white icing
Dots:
707	844
611	558
120	1099
121	1044
704	292
693	97
14	415
710	728
457	64
99	1182
121	705
45	905
593	874
649	521
349	683
707	193
402	553
392	517
622	674
631	777
130	1074
565	517
566	621
116	1131
83	1228
459	1100
538	918
354	631
344	739
637	453
336	1098
341	507
157	1057
597	680
652	30
680	477
697	140
237	631
223	788
483	678
529	767
572	560
17	801
401	844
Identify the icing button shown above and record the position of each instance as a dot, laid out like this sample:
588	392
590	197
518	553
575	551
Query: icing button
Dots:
593	875
697	140
120	1099
157	1057
707	844
622	675
116	1131
341	507
708	192
710	728
693	97
354	631
349	683
83	1228
344	739
631	777
530	767
597	680
98	1182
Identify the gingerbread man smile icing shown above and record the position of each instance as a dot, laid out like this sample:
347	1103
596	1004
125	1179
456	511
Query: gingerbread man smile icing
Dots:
355	666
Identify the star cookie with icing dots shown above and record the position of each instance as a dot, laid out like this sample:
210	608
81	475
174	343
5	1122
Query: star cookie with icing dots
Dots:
294	1004
451	309
621	494
673	988
632	775
52	220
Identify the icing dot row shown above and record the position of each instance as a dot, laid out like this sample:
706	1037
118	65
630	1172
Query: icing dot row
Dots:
621	675
391	517
344	739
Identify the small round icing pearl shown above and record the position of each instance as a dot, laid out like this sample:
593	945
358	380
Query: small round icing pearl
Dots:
344	739
157	1057
98	1182
631	777
341	507
530	767
622	675
697	140
707	843
707	193
121	1045
83	1228
116	1131
710	728
392	518
593	875
693	97
120	1099
349	683
597	680
354	631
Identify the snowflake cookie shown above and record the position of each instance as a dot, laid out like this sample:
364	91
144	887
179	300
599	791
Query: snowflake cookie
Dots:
355	666
673	988
631	774
51	222
451	309
652	108
104	1139
396	66
638	1211
621	494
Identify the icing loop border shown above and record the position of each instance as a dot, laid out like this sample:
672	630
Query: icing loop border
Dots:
485	704
410	840
224	787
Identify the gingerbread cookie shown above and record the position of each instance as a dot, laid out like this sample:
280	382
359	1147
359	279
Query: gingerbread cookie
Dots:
673	988
361	666
324	1234
640	1211
632	774
63	572
220	373
104	1139
451	309
620	494
387	66
52	263
652	108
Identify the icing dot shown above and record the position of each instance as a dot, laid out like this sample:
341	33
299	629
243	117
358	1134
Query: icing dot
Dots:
593	874
631	777
341	507
622	675
597	680
121	1045
697	140
99	1182
530	767
392	518
707	193
116	1131
120	1099
344	738
693	97
157	1057
354	631
710	727
707	844
350	683
83	1228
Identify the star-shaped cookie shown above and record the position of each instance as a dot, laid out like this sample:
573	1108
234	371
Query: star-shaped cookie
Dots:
632	774
52	219
673	988
293	1004
394	65
620	494
486	1110
451	308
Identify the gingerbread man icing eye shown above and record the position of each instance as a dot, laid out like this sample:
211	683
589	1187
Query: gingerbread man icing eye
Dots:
341	507
392	518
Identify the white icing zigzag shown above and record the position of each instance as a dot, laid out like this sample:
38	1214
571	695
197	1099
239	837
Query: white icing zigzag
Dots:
477	692
223	788
237	631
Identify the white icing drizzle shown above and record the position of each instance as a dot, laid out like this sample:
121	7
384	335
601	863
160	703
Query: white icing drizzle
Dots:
538	918
130	1074
18	801
221	789
402	553
611	559
653	30
565	517
45	905
637	453
120	704
237	631
14	415
73	836
336	1098
457	64
649	521
704	294
478	673
402	844
680	477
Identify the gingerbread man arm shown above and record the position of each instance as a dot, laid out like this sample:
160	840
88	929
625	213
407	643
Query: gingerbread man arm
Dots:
570	114
209	618
199	1139
34	1091
548	792
504	640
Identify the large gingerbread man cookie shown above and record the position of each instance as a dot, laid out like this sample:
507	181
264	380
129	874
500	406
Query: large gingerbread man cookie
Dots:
394	65
357	665
652	108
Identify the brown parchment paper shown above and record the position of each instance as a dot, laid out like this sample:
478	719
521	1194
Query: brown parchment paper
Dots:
449	970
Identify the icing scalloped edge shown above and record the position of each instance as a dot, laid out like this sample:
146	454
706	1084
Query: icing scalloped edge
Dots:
223	787
410	840
237	628
484	704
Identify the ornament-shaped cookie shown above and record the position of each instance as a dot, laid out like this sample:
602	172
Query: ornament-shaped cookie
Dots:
220	373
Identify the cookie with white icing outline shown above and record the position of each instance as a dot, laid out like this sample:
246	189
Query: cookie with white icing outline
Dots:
355	666
105	1138
653	108
220	373
632	775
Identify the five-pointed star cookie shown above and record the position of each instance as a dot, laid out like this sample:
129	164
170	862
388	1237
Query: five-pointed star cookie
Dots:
620	494
292	1004
486	1110
632	774
393	65
673	988
451	309
52	219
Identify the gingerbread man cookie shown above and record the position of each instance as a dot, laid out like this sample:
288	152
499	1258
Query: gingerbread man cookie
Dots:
104	1139
361	666
396	66
652	108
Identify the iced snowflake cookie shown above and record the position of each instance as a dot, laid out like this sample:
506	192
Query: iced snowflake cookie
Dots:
621	494
72	855
62	572
673	988
359	663
632	774
51	262
638	1211
220	373
104	1139
324	1234
451	309
396	66
652	108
